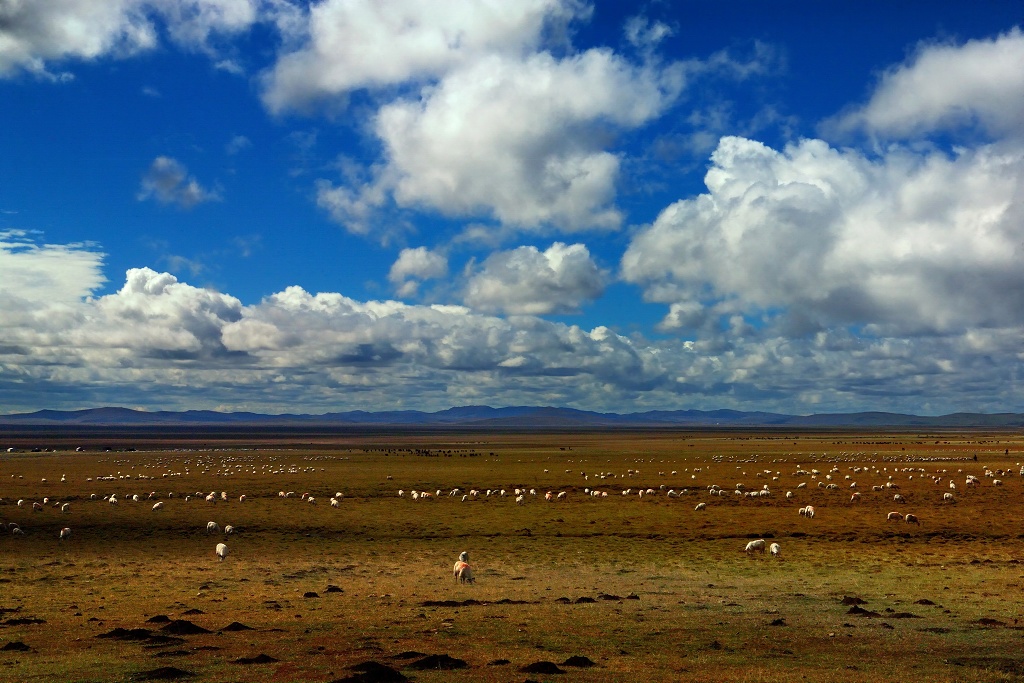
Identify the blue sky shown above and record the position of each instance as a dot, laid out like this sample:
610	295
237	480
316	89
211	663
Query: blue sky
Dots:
286	206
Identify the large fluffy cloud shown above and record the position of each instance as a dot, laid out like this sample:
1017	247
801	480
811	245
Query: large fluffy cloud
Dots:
519	140
979	83
160	342
34	34
527	281
818	237
350	44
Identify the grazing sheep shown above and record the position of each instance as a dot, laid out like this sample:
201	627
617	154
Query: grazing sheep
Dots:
789	495
228	530
911	519
700	506
893	516
158	506
65	509
222	551
775	549
241	498
65	533
212	527
755	546
948	497
809	512
334	502
465	574
898	498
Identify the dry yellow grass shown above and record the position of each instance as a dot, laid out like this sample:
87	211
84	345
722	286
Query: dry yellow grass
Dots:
690	604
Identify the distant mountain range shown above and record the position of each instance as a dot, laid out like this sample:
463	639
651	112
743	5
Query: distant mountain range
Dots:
521	417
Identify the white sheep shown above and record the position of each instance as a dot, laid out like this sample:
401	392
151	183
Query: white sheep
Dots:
65	533
911	519
809	512
898	498
775	549
948	497
334	502
159	505
212	527
465	574
222	551
228	530
65	509
755	546
700	506
893	516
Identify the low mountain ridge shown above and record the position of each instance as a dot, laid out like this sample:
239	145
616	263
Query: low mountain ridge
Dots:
517	417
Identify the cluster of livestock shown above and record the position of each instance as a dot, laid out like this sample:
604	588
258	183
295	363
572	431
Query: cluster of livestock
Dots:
860	481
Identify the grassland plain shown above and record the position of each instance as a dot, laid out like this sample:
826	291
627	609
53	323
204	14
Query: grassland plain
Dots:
645	587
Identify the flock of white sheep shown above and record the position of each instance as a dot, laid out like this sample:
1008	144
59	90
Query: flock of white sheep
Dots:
878	481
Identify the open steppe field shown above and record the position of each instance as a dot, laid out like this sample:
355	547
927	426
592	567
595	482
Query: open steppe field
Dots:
636	587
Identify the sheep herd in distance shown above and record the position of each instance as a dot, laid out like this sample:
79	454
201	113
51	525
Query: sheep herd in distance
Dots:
647	553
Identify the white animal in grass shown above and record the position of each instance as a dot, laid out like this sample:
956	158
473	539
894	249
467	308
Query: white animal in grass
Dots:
461	571
755	546
465	574
893	516
222	551
911	519
700	506
212	527
158	506
65	533
228	530
775	549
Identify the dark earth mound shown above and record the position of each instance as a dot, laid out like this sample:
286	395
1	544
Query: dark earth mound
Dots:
164	673
159	619
184	627
258	659
372	672
438	662
126	634
15	646
580	661
236	626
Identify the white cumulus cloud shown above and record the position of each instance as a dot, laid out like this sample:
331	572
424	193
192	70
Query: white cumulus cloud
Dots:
815	236
349	44
415	265
522	141
527	281
943	86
